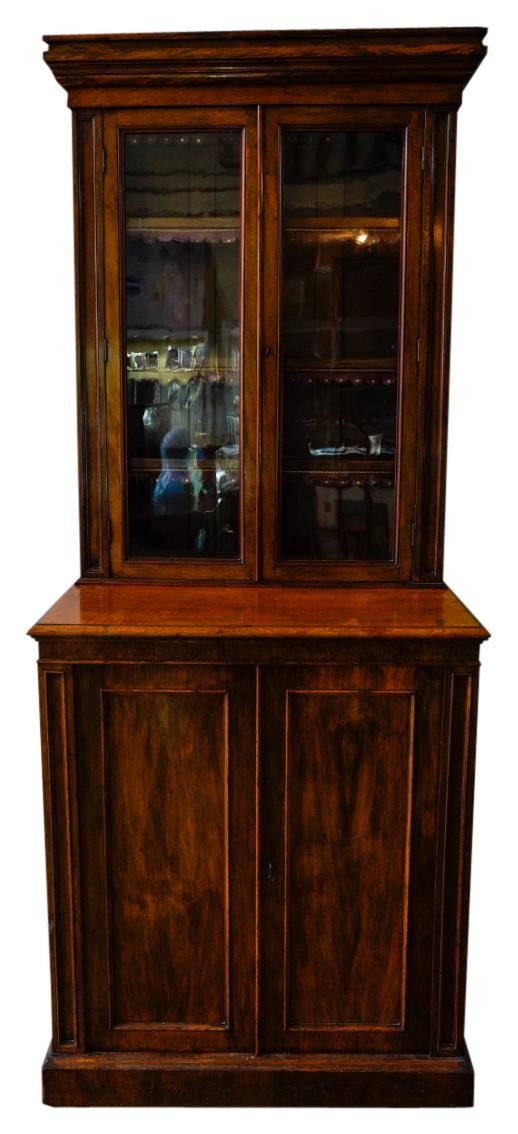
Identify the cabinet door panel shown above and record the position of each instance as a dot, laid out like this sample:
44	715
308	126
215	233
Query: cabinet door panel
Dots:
181	314
349	853
166	781
341	272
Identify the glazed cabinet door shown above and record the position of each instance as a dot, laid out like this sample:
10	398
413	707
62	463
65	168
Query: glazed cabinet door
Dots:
342	253
348	844
166	783
180	219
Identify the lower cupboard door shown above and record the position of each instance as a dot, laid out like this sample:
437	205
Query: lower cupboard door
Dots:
348	839
166	785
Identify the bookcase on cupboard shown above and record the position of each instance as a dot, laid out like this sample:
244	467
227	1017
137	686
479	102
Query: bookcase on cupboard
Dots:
259	700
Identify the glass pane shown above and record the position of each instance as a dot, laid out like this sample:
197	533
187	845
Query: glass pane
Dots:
342	173
341	205
183	344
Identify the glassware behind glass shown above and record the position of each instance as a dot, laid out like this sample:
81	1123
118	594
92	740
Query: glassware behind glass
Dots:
341	205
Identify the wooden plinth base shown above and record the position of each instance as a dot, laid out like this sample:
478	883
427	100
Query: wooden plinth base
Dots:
142	1079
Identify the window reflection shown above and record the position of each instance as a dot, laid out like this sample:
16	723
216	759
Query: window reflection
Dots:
182	195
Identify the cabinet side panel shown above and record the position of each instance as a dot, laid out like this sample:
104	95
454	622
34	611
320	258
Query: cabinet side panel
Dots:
458	805
61	841
166	816
90	342
436	284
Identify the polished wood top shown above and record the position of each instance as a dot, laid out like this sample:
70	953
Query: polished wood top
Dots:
154	611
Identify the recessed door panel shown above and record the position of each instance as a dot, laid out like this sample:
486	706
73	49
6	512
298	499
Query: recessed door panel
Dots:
166	782
348	810
166	775
348	858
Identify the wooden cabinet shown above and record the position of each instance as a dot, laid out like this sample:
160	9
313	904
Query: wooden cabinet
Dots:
259	702
258	844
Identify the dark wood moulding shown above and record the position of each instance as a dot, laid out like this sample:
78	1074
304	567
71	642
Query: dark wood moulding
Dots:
418	55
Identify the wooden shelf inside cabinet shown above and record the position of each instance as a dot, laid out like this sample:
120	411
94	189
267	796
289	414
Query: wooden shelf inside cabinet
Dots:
340	373
338	223
366	237
165	375
346	478
337	466
145	465
183	226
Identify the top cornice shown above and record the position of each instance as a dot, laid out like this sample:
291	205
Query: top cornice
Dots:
398	55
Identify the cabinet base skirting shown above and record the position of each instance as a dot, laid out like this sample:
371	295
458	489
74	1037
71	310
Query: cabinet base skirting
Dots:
142	1079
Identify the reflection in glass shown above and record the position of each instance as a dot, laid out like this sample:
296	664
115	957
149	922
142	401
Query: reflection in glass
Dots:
328	415
341	297
341	204
342	172
336	519
182	197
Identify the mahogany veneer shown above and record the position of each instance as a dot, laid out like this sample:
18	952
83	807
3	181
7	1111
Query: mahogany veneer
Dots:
271	748
259	612
258	771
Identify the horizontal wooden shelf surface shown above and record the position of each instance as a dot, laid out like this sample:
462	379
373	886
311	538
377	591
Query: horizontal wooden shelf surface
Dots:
165	375
182	464
377	365
143	224
301	221
360	235
257	611
338	466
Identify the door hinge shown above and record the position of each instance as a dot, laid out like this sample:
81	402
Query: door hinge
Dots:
103	160
423	156
418	350
105	351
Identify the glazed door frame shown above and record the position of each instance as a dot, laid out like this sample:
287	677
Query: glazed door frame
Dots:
329	813
117	123
168	888
356	118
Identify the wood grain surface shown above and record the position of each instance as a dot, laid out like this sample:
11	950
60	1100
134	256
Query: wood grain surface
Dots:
357	56
166	779
140	1080
262	612
349	770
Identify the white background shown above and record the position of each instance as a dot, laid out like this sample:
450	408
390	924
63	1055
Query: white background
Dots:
39	520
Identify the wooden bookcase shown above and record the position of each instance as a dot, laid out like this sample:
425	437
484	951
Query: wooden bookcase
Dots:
259	701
